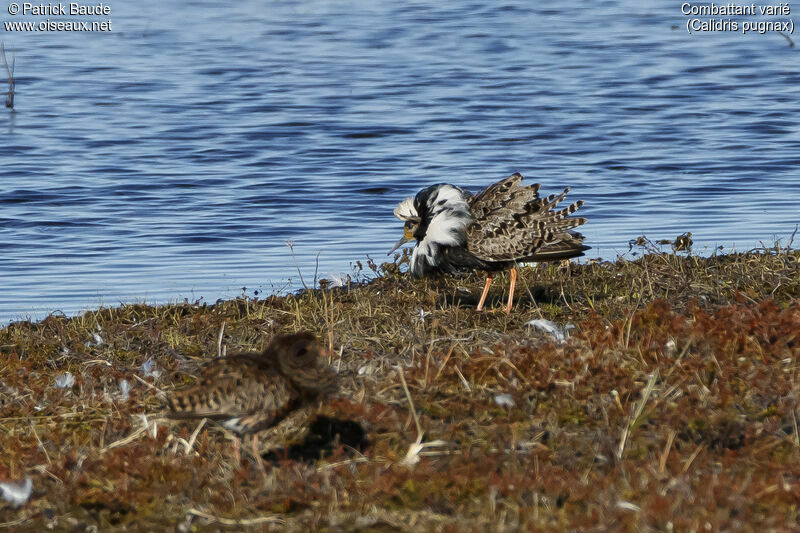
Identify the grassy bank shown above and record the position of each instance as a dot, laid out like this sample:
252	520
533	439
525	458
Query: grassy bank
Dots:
672	405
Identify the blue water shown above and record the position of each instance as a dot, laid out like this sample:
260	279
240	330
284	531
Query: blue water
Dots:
174	156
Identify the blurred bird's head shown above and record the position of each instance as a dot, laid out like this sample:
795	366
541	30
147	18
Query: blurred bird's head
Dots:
304	362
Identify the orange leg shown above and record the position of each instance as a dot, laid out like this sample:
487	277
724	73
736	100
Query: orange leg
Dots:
511	290
489	277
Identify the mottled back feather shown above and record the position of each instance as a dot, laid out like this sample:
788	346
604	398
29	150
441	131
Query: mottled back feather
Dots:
252	391
512	223
506	194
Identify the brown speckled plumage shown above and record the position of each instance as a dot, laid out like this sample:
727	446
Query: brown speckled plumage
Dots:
249	392
511	223
505	224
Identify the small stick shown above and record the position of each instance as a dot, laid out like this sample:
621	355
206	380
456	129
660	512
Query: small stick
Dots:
693	457
331	466
463	379
193	436
290	244
410	402
10	74
267	519
219	340
150	385
35	434
444	363
125	440
135	434
791	240
662	464
316	269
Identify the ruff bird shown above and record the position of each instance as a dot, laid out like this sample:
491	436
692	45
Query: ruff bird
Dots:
250	392
505	224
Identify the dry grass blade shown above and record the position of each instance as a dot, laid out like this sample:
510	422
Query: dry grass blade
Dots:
189	444
636	418
679	364
41	445
161	393
415	450
150	426
410	402
266	519
692	457
662	463
14	523
220	352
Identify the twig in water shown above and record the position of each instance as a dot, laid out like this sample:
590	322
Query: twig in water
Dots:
10	74
791	239
791	42
316	269
290	244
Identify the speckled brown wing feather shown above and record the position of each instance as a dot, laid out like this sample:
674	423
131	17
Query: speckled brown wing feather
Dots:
511	223
251	391
248	390
505	195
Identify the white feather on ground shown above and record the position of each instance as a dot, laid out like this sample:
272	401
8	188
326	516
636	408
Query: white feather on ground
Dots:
149	369
16	493
124	390
505	400
65	381
559	333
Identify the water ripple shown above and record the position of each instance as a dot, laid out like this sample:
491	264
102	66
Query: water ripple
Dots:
178	156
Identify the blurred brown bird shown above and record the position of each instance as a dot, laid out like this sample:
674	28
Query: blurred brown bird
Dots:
250	392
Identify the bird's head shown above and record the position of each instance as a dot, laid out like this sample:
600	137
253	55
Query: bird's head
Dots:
304	362
437	213
407	212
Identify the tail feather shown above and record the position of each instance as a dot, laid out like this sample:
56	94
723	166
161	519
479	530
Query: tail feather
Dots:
557	251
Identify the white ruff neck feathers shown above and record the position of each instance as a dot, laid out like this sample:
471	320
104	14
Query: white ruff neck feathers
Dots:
444	214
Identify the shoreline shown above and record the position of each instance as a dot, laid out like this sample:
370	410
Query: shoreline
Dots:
669	404
291	283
